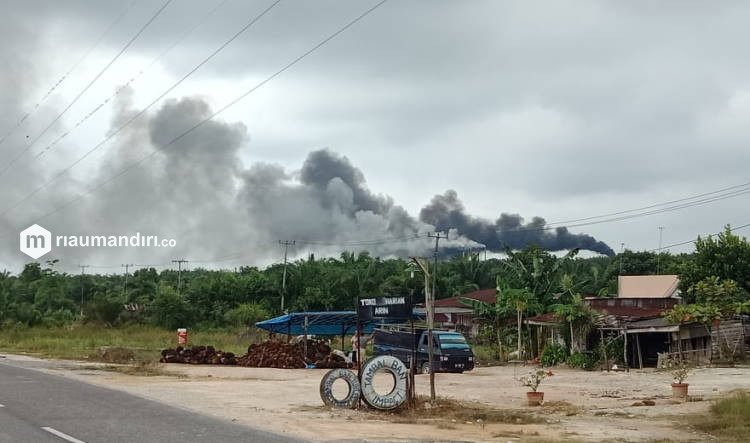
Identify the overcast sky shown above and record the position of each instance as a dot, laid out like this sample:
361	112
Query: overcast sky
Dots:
561	110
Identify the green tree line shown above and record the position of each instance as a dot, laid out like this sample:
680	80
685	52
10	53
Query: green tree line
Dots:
43	295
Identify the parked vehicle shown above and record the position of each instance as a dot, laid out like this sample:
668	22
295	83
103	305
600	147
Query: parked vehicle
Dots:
451	351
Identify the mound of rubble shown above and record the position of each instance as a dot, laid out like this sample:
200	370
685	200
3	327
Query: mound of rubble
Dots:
198	355
278	354
268	354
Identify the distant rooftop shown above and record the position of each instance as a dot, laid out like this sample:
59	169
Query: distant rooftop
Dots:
648	286
483	295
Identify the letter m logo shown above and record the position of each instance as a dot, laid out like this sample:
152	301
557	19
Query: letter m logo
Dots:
35	241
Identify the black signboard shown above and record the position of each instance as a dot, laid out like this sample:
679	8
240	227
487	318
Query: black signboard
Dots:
392	307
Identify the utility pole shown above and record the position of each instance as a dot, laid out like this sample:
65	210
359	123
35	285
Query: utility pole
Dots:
179	272
125	288
437	236
658	251
83	268
429	303
622	250
286	244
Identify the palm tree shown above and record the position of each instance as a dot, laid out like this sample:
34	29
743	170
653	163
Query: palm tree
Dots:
507	301
580	319
519	299
536	270
495	313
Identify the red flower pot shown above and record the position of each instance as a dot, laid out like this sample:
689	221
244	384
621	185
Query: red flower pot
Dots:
680	390
535	398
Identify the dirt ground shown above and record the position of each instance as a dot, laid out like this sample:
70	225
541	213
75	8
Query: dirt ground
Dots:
579	406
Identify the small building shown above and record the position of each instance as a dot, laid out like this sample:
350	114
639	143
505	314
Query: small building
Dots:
635	315
454	313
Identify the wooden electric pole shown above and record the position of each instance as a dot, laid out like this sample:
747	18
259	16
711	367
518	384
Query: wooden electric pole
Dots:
658	251
125	287
286	244
429	303
179	272
83	268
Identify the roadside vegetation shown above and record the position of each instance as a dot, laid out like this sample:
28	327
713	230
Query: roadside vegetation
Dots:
90	342
729	418
50	312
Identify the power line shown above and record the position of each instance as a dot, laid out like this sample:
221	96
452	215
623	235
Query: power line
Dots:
693	241
69	71
132	79
112	134
724	196
743	185
86	88
197	125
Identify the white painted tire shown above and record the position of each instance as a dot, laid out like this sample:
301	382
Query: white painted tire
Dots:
393	366
326	389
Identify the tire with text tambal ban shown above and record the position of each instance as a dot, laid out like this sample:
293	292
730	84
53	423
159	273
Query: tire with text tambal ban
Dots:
393	366
326	389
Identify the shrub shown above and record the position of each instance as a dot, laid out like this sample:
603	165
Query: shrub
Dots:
729	418
246	315
170	310
533	379
680	372
583	361
104	309
553	354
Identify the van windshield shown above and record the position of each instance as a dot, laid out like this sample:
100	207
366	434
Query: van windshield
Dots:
453	341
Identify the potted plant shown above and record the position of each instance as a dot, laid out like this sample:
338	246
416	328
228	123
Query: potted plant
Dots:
680	373
532	380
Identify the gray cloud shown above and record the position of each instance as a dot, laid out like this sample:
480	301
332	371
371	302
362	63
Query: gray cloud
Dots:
522	107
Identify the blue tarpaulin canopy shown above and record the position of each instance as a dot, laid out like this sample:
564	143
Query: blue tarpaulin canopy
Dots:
318	323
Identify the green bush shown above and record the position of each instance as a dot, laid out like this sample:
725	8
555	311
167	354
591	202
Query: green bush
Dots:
246	314
583	361
170	310
729	418
553	354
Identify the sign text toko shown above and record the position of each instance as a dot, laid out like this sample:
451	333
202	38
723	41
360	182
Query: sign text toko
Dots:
398	307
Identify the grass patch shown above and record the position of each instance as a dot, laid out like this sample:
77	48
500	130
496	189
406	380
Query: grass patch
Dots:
729	418
86	342
453	411
562	407
143	369
486	355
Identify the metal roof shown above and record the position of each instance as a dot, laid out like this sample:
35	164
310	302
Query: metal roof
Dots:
484	295
318	323
648	286
659	324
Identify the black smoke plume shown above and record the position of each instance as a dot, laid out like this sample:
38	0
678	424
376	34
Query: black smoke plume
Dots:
509	230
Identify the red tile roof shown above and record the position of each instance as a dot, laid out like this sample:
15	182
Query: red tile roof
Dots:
484	295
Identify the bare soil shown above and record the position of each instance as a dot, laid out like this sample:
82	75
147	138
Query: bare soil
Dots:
579	405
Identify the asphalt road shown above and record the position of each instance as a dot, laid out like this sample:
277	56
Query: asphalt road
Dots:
39	407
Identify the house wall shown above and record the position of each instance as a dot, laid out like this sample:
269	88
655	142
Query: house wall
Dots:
466	323
728	340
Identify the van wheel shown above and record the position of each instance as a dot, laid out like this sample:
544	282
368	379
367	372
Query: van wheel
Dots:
425	368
